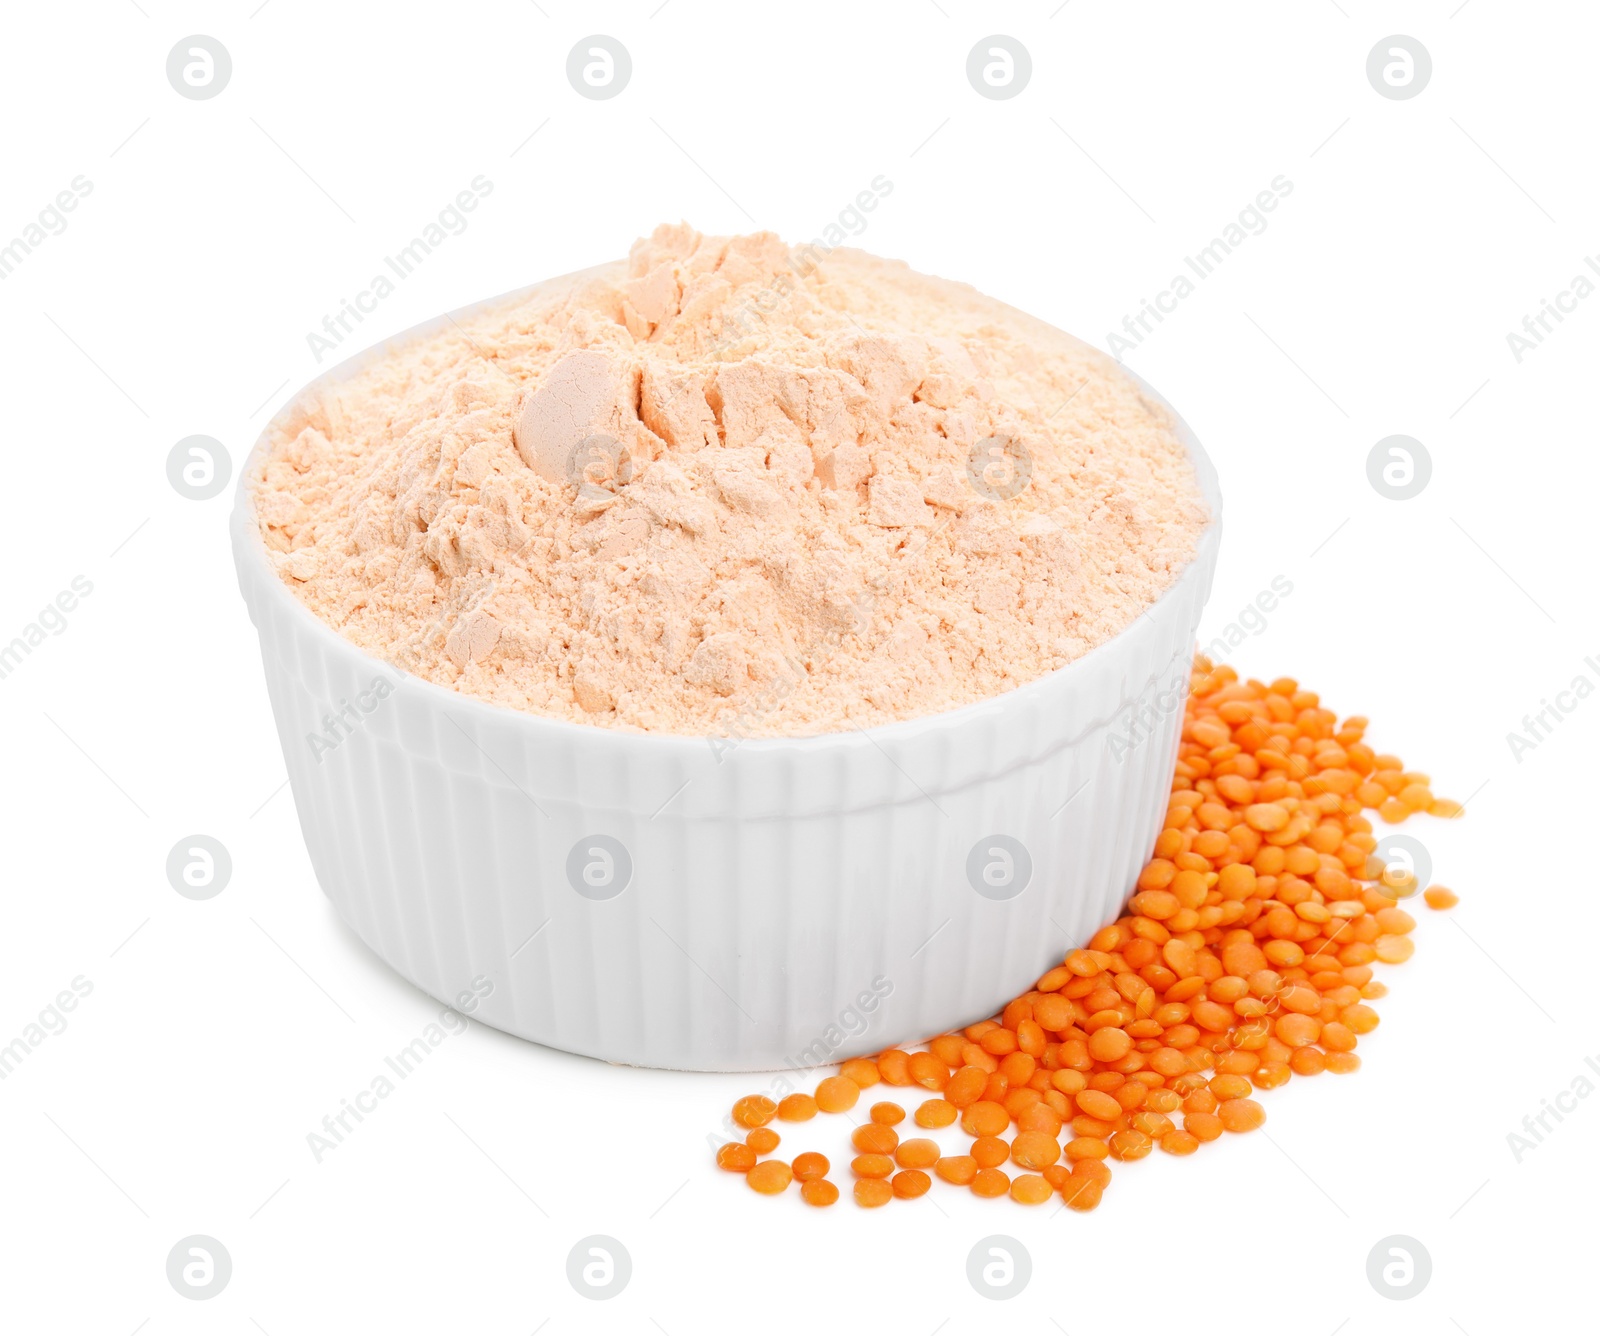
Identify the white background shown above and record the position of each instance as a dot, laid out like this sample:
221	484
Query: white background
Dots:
177	301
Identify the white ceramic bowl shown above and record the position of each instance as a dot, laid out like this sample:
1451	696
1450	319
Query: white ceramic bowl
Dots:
778	903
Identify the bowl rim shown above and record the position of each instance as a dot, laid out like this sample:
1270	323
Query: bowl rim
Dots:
249	546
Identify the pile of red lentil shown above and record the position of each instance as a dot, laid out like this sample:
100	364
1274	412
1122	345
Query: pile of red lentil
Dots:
1244	959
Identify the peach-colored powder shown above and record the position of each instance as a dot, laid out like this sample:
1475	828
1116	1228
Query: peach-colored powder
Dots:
729	488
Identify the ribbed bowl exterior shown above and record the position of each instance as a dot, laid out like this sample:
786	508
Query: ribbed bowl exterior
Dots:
791	902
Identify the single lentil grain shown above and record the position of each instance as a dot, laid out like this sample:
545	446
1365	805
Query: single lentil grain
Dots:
990	1152
910	1183
810	1165
754	1111
769	1177
875	1139
872	1166
1178	1142
837	1094
736	1157
957	1169
990	1183
1031	1189
863	1071
797	1108
1241	1115
1035	1150
917	1153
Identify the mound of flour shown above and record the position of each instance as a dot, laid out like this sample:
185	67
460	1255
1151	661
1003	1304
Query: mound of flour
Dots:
726	487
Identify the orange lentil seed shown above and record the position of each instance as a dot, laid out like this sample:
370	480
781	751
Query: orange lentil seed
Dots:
1031	1189
985	1119
990	1183
1129	1144
837	1094
1241	1115
894	1067
820	1192
875	1139
762	1140
769	1177
1035	1150
862	1071
957	1169
736	1157
797	1108
1091	1171
990	1152
1098	1104
917	1153
870	1192
754	1111
810	1165
910	1183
